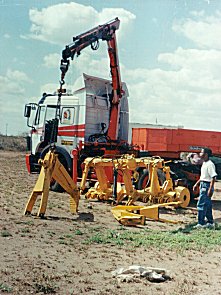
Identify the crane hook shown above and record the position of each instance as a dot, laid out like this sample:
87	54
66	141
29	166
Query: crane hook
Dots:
95	45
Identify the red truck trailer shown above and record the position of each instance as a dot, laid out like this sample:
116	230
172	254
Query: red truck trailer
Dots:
169	143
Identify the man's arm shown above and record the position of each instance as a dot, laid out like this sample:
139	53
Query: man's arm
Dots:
196	184
210	190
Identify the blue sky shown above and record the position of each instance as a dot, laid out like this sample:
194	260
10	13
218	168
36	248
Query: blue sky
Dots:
170	55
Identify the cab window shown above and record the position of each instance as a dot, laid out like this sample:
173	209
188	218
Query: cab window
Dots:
39	119
67	115
50	112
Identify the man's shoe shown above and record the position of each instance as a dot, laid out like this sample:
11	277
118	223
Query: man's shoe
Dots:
198	226
209	225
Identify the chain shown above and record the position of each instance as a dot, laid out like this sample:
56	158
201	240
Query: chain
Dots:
64	68
57	115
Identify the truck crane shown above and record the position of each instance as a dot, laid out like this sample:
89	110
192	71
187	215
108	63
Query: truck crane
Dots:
91	38
94	125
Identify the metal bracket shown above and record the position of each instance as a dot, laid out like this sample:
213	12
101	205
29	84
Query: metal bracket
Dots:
52	168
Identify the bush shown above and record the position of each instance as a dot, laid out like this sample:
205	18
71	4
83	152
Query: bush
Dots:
12	143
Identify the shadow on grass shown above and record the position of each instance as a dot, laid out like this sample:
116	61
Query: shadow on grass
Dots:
190	227
88	217
54	218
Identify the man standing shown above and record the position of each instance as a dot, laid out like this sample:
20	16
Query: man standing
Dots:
206	182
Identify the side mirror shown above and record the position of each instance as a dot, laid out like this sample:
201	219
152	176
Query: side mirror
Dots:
27	112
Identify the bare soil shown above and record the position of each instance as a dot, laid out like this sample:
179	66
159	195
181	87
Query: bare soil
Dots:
50	256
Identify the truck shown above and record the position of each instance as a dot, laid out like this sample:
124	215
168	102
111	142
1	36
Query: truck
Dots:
91	121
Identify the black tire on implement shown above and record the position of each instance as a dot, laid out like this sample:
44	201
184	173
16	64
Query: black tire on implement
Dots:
145	178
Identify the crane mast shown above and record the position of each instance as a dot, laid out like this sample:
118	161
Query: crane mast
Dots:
91	38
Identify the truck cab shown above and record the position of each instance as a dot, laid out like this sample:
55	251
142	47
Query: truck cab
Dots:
82	122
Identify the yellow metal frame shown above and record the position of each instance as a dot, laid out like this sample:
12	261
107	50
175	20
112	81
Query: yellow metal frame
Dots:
52	169
134	215
127	164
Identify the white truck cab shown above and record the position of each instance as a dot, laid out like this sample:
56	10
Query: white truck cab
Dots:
83	119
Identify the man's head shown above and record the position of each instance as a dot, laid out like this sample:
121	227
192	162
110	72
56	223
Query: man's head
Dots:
205	153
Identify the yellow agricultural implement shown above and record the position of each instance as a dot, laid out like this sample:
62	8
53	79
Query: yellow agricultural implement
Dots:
52	169
154	194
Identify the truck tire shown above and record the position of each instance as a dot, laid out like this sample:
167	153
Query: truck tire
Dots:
65	160
55	186
144	179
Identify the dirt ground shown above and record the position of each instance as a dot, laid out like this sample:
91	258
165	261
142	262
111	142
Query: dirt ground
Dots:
46	256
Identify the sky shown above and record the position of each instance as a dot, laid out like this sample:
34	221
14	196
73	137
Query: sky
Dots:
169	52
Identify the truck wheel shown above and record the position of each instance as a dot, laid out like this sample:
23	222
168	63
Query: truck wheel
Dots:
56	187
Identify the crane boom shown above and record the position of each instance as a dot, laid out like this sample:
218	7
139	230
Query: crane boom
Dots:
105	32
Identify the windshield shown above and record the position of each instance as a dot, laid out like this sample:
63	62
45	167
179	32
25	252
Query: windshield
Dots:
45	114
50	112
39	119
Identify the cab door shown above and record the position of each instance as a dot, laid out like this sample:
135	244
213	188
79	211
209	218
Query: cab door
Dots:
37	130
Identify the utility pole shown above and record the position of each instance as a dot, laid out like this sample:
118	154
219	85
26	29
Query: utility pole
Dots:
6	129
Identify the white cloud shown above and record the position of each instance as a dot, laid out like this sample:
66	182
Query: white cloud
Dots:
188	90
125	16
86	64
13	82
188	95
57	24
49	88
202	67
52	60
6	36
197	13
203	31
13	87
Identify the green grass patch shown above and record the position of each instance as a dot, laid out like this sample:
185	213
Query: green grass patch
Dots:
5	288
6	233
25	230
45	285
78	232
68	236
182	239
29	222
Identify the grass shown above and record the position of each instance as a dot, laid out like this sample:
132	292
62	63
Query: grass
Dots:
78	232
5	288
25	230
6	233
179	240
45	284
44	289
